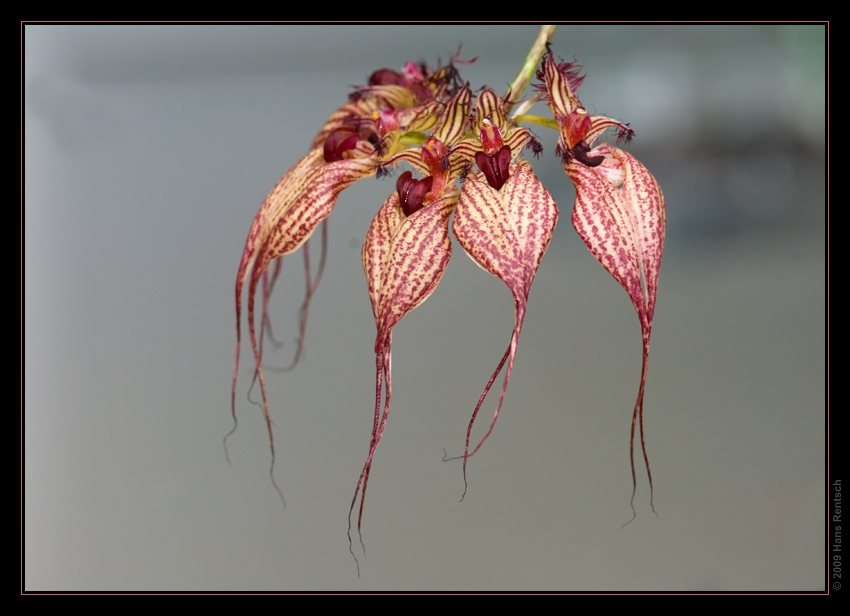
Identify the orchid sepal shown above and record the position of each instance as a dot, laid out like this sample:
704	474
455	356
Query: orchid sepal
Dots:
505	231
620	215
404	258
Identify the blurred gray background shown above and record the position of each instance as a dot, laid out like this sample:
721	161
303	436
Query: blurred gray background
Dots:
149	150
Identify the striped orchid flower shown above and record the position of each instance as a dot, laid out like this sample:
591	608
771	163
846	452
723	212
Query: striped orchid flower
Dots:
467	171
619	210
504	221
352	145
407	249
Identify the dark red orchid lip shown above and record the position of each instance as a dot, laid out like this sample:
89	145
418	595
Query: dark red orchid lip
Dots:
495	167
580	151
411	193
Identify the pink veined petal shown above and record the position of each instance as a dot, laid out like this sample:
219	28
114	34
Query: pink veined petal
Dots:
404	259
506	232
624	229
301	200
648	213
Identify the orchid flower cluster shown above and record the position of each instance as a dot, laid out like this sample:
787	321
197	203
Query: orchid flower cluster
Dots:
467	170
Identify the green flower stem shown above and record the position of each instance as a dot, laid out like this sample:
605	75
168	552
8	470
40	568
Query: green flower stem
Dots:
412	140
529	67
534	119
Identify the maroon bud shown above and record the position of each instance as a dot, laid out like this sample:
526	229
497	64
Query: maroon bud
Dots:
411	193
339	142
384	77
495	167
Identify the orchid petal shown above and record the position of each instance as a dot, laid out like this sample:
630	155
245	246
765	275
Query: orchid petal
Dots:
506	232
624	229
418	119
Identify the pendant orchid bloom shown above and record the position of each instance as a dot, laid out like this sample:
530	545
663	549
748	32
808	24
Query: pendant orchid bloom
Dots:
504	221
407	249
467	171
619	210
